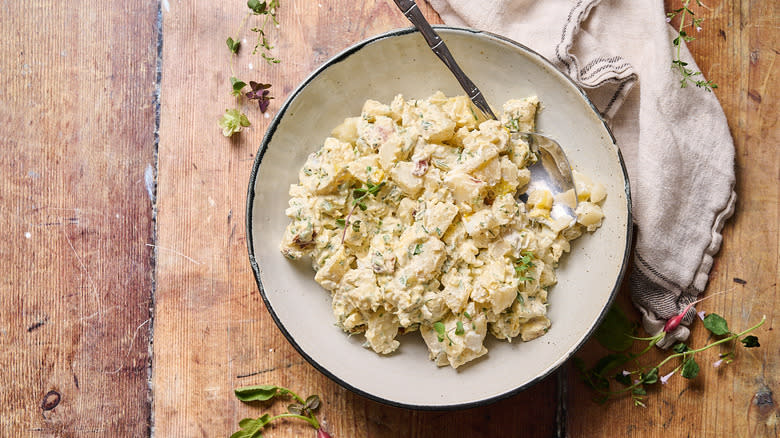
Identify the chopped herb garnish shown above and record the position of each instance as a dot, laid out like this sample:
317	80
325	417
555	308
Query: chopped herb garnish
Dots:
439	328
522	265
459	328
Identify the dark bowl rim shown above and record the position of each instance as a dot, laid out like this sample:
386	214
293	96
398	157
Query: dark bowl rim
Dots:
256	269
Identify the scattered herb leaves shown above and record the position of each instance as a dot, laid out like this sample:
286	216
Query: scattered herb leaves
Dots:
688	76
260	92
523	264
302	409
605	370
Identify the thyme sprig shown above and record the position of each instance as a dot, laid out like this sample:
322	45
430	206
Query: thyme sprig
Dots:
688	76
267	11
617	334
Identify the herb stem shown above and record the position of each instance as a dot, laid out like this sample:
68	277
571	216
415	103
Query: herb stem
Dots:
682	24
708	346
311	420
238	36
684	354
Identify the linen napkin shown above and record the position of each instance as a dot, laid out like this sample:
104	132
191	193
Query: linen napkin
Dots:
676	143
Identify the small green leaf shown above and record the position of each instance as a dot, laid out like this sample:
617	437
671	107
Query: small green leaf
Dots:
613	333
417	249
233	45
312	402
690	369
256	393
459	328
232	121
716	324
295	408
650	377
680	347
639	391
439	328
750	341
340	222
256	6
237	86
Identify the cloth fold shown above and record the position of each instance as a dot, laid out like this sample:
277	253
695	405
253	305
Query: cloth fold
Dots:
676	142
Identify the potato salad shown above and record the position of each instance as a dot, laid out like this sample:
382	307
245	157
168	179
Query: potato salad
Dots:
410	216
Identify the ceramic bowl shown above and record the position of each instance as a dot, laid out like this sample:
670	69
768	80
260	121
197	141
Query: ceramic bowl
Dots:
400	62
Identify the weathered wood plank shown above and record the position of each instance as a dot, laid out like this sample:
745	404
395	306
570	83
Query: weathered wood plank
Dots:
77	134
736	49
212	332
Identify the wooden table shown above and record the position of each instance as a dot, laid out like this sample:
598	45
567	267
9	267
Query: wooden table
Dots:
128	305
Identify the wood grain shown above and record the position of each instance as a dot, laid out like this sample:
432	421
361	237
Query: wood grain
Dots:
737	49
77	84
85	265
212	332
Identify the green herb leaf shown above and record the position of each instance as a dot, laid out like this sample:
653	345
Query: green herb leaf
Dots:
650	377
613	333
257	6
466	314
690	369
233	45
232	121
439	328
312	402
237	86
295	408
716	324
340	222
639	391
750	341
459	328
417	249
251	427
356	226
680	347
256	393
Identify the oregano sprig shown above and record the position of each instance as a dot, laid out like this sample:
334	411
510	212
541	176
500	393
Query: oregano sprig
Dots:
301	409
688	76
267	11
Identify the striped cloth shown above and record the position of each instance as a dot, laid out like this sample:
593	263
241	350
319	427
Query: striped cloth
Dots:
675	141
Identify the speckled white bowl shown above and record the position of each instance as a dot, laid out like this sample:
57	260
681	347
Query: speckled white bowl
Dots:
400	62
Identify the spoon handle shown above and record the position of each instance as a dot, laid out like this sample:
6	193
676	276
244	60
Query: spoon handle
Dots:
413	13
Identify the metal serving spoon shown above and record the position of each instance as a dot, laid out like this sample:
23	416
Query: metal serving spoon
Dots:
551	171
